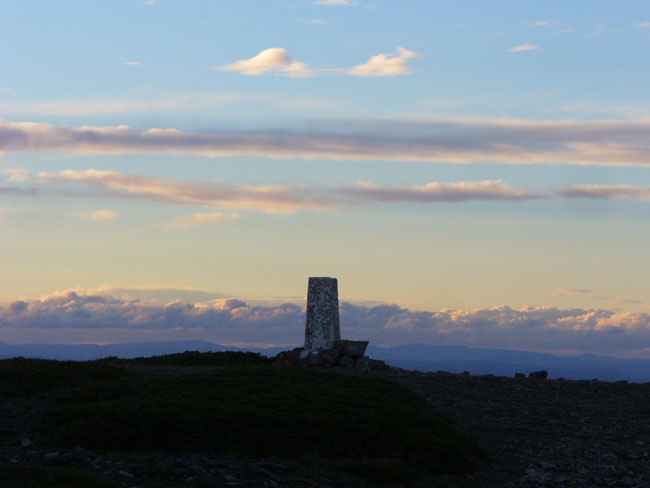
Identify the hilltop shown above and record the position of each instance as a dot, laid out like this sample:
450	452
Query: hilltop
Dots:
230	419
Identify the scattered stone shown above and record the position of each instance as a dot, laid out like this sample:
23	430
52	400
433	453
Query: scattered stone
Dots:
378	365
362	363
538	375
25	442
520	376
346	362
125	474
353	349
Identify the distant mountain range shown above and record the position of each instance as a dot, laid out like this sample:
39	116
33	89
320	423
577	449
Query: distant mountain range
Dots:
500	362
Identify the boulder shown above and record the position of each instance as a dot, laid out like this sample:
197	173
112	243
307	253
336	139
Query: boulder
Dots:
346	362
378	364
538	375
362	363
519	376
354	349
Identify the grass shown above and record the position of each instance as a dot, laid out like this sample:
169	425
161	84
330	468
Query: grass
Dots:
238	405
258	412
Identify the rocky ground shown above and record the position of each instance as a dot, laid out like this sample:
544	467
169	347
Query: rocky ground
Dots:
536	433
546	432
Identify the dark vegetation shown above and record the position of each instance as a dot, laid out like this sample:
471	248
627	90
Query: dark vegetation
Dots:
229	404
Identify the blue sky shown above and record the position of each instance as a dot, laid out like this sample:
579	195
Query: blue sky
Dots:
433	155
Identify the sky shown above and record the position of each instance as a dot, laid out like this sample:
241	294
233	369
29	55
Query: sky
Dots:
473	173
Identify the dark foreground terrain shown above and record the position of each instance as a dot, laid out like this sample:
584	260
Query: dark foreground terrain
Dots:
230	419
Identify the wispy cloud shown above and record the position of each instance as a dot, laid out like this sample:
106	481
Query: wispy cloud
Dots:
609	192
130	63
335	2
643	25
436	192
279	199
275	60
306	20
232	320
17	175
199	219
393	64
186	102
523	48
448	140
569	292
6	91
266	198
97	215
542	23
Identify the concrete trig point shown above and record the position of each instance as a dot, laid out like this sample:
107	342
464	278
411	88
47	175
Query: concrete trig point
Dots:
322	327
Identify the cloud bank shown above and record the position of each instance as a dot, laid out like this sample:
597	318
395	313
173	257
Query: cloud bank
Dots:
231	320
449	140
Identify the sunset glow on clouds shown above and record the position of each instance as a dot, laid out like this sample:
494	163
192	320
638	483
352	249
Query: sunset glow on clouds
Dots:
474	183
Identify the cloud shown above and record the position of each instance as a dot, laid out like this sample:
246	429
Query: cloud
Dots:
523	47
393	64
17	175
335	2
6	91
187	102
3	214
97	215
275	60
437	192
542	23
235	321
275	198
131	63
569	292
266	198
445	140
643	25
199	219
305	20
148	294
608	192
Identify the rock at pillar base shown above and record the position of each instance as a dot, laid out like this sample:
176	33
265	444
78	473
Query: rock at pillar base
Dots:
322	327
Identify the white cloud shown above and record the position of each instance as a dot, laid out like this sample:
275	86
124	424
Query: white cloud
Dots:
393	64
446	140
131	63
335	2
17	175
607	192
6	91
522	48
542	23
97	215
275	60
199	219
643	25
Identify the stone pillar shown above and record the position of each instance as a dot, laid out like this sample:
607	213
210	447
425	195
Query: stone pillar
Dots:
322	326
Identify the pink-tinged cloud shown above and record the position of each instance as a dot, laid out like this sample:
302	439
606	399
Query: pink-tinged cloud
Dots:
607	192
235	321
266	198
523	48
449	140
276	199
335	2
437	192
